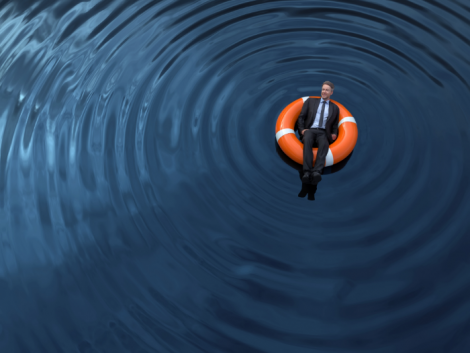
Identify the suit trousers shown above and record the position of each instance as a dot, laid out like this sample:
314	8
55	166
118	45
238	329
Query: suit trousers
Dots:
310	137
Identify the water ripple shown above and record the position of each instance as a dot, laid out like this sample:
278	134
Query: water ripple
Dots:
144	207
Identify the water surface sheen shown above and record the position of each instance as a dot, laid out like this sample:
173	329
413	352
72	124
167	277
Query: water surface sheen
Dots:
144	207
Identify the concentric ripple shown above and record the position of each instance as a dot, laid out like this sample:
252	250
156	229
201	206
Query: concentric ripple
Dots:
144	206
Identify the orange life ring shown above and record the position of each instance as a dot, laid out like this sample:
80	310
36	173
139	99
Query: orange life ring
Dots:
293	148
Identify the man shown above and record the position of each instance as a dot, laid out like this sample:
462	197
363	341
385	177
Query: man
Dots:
318	122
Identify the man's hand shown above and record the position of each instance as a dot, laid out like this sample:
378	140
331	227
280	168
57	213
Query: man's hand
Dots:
333	137
304	131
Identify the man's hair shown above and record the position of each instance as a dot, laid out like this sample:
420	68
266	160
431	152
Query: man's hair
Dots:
329	84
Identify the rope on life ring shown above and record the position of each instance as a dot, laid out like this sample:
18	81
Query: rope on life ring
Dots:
293	148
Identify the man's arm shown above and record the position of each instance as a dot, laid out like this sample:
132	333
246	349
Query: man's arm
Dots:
334	129
302	116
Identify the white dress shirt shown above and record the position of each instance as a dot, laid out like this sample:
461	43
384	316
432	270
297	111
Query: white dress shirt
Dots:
316	121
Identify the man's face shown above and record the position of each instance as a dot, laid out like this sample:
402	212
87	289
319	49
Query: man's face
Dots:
326	92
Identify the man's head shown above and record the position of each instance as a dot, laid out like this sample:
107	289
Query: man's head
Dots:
327	90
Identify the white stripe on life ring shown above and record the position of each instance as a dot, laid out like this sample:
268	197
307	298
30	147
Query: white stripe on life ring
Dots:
305	98
283	132
347	119
329	160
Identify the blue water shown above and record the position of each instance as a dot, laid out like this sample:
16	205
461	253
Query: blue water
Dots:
145	206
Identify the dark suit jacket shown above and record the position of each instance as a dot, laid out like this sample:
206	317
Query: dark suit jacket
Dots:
307	115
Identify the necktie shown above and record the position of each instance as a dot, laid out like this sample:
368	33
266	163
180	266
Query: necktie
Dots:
321	115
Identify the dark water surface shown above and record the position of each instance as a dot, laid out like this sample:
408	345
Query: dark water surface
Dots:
144	207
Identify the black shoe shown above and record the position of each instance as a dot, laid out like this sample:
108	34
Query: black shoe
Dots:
316	178
311	196
304	191
306	178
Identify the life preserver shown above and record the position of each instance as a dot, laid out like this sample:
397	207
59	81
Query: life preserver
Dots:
293	148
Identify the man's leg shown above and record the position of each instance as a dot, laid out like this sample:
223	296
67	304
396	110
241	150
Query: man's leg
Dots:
323	147
308	141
